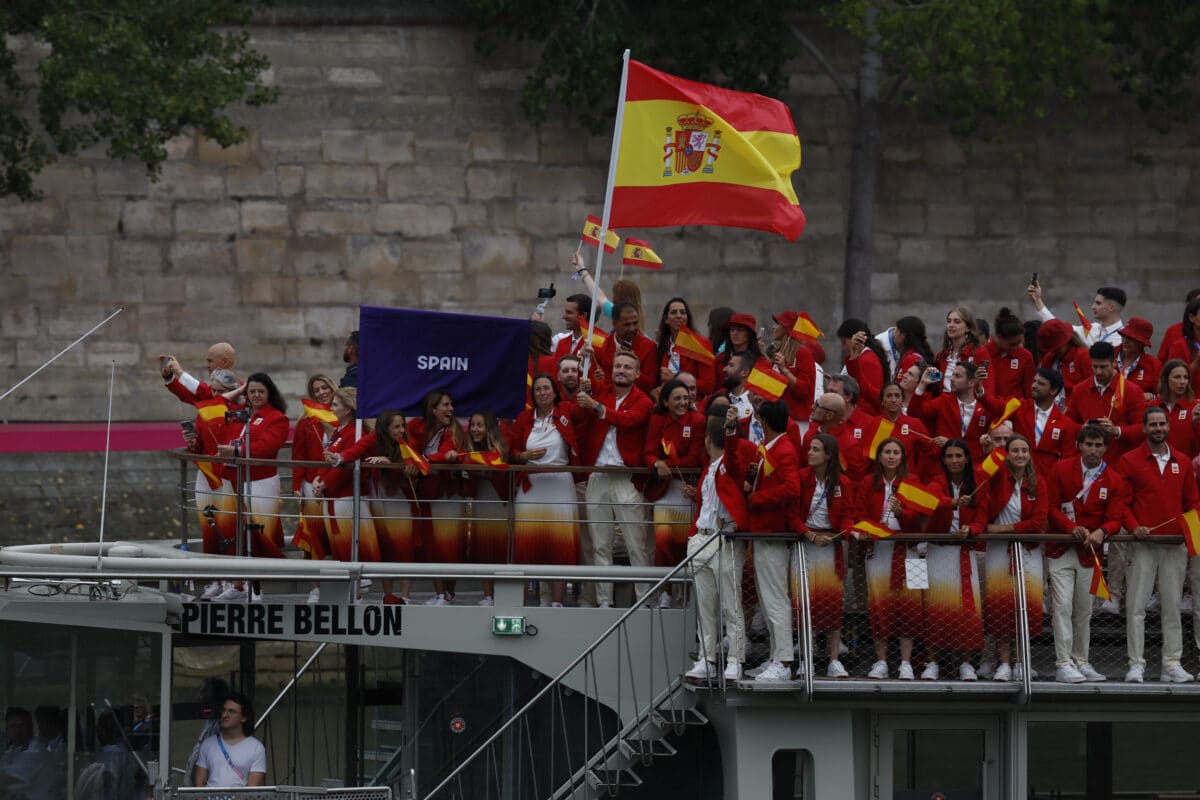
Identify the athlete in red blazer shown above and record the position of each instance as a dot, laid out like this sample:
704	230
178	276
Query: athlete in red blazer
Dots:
1101	509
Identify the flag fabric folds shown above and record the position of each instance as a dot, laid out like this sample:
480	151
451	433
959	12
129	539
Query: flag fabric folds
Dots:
916	494
1099	587
872	529
693	346
1118	398
208	410
1011	407
805	330
1191	531
639	254
765	381
726	157
992	464
883	430
668	447
596	337
411	456
1083	318
767	466
591	234
209	470
490	458
319	410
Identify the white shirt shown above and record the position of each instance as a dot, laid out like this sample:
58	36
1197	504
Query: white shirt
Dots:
967	412
1011	513
888	518
742	403
1095	333
248	755
818	511
1162	460
609	455
1041	418
713	514
544	434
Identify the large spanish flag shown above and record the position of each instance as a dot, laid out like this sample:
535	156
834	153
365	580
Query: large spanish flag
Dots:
696	154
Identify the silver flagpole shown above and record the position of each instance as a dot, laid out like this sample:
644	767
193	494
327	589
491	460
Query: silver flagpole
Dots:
104	487
65	349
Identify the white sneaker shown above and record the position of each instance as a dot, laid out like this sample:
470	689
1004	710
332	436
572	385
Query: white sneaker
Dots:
1002	673
256	597
1089	673
438	600
604	605
930	673
665	600
1018	673
212	590
1136	674
836	670
776	672
905	672
314	595
754	673
986	669
879	670
555	604
1069	673
733	672
1110	607
1176	674
488	601
231	594
966	672
702	670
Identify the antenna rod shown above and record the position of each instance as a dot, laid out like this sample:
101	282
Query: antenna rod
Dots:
104	487
65	349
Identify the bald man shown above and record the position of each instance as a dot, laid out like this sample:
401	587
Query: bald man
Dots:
187	388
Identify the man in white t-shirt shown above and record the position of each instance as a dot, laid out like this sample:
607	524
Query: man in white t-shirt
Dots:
233	757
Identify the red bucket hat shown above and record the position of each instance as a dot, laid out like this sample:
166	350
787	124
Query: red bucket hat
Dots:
1138	329
1053	334
745	320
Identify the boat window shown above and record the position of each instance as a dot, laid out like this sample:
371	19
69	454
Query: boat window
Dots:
792	775
926	762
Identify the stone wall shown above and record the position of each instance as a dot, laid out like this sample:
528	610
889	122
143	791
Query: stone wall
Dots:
397	169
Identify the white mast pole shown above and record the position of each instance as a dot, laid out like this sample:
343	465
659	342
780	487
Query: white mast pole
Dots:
112	375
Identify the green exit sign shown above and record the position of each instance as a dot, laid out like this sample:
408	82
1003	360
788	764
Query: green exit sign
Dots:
508	626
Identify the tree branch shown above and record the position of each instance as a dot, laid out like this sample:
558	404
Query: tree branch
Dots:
814	51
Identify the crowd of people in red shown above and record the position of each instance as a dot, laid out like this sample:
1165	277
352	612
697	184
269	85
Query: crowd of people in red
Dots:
1034	427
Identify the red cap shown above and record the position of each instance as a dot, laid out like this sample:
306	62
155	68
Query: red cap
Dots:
1053	334
1138	329
745	320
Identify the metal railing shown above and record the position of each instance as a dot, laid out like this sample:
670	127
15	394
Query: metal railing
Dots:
277	793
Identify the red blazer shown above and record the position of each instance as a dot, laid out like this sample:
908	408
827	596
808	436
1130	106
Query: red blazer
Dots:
706	374
339	481
840	502
867	370
1184	436
1186	352
1156	498
970	354
1144	372
869	506
268	433
973	517
1008	375
799	398
1058	438
433	485
308	444
771	495
1102	508
922	454
630	421
186	395
941	414
1075	367
686	437
1171	335
1087	402
646	351
1033	505
731	474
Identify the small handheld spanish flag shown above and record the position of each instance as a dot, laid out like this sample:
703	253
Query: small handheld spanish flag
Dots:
411	456
209	470
882	432
693	346
915	494
592	233
595	337
1099	587
1118	398
765	381
805	330
872	529
319	410
668	447
208	410
1191	531
1011	407
767	466
639	254
489	458
1083	318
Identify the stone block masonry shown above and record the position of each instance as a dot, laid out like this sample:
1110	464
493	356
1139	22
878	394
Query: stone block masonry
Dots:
397	169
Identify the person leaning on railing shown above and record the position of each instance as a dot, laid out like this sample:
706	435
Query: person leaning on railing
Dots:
309	441
488	495
895	610
335	484
1016	504
823	514
547	526
441	526
718	561
953	611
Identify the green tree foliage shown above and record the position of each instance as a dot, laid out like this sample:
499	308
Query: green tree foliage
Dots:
129	74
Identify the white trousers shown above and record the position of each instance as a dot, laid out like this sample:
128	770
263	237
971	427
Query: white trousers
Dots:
612	498
1070	588
771	576
717	572
1167	563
